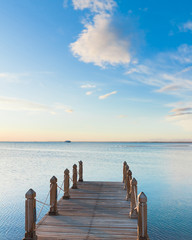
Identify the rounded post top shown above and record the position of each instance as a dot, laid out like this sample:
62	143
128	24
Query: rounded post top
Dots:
53	179
30	193
142	197
66	172
134	181
124	163
75	166
80	162
130	173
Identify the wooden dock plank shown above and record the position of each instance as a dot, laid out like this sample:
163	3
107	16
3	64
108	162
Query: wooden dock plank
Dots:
96	210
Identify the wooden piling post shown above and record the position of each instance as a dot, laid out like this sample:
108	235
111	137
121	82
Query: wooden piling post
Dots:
80	171
30	215
142	217
66	184
53	196
124	171
126	177
133	210
129	177
74	177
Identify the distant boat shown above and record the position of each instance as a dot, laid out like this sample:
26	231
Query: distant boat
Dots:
68	141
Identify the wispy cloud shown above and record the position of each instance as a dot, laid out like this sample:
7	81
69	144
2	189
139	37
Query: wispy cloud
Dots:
143	100
16	104
143	9
88	93
88	85
169	72
12	77
187	69
187	26
139	69
181	116
107	95
169	88
132	70
63	107
183	55
122	116
179	110
22	77
97	6
69	110
65	3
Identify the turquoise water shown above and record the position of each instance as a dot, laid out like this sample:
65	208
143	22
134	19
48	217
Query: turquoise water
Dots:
163	172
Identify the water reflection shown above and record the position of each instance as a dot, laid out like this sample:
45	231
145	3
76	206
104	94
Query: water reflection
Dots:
163	172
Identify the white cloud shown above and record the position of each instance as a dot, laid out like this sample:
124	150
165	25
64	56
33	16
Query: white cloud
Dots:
107	95
94	5
88	86
100	44
89	93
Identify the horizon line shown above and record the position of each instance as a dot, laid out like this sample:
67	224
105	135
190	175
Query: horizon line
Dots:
156	141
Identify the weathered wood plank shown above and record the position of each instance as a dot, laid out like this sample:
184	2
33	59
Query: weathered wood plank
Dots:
96	210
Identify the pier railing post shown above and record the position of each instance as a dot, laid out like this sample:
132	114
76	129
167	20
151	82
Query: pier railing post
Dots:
124	170
53	196
66	184
129	176
30	215
133	210
74	176
126	176
80	171
142	217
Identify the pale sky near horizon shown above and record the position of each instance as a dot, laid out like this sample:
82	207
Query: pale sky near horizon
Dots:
95	70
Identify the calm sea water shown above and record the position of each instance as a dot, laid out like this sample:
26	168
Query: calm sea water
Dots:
163	172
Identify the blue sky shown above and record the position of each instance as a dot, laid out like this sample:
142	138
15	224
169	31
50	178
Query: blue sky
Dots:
92	70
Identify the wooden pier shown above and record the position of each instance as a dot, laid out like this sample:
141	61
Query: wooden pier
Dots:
90	211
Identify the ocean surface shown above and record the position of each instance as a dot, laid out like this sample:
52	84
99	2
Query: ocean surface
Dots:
163	172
